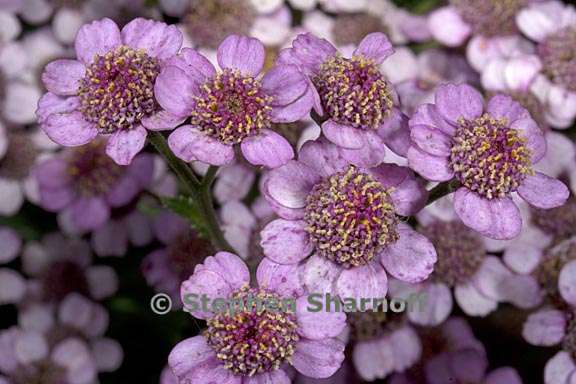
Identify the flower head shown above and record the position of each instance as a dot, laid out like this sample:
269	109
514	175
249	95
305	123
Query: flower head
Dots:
489	151
355	97
109	90
345	217
234	105
84	184
256	342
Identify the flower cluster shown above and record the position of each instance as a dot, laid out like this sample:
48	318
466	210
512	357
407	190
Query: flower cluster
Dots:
298	191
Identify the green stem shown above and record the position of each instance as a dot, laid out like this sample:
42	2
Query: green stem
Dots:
442	190
199	191
179	167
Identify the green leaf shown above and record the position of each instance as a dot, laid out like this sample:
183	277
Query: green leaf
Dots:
187	208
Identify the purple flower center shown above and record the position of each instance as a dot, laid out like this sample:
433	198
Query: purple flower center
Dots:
558	53
354	92
118	89
42	372
350	217
20	156
62	278
460	251
94	172
255	339
351	28
490	17
548	271
186	251
559	222
371	325
230	17
488	157
231	107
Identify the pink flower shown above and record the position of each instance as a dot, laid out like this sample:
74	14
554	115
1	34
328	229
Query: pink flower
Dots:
232	106
341	220
109	89
490	151
253	345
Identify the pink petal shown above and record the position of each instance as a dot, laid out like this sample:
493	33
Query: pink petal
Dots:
323	157
97	38
503	106
63	76
370	155
505	375
188	355
230	267
431	140
162	120
290	184
373	359
123	146
437	307
428	115
174	91
278	376
318	325
69	129
203	283
51	104
318	358
368	281
411	258
559	369
543	191
375	46
343	135
320	275
10	245
243	53
157	39
447	26
189	144
472	302
282	279
567	282
194	64
267	148
456	101
89	213
430	167
497	218
286	242
536	141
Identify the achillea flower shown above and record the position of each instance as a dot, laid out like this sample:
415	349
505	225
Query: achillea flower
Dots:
345	217
468	273
552	25
109	90
490	151
232	106
256	345
358	101
452	354
382	343
62	265
83	184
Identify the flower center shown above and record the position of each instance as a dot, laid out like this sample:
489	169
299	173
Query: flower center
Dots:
118	89
253	340
558	53
231	107
489	17
186	251
559	222
231	17
62	278
42	372
354	92
370	325
94	172
554	260
460	251
489	157
350	217
351	28
20	156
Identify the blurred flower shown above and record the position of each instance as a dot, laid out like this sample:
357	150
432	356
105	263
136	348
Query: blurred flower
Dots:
83	184
490	151
110	90
302	338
